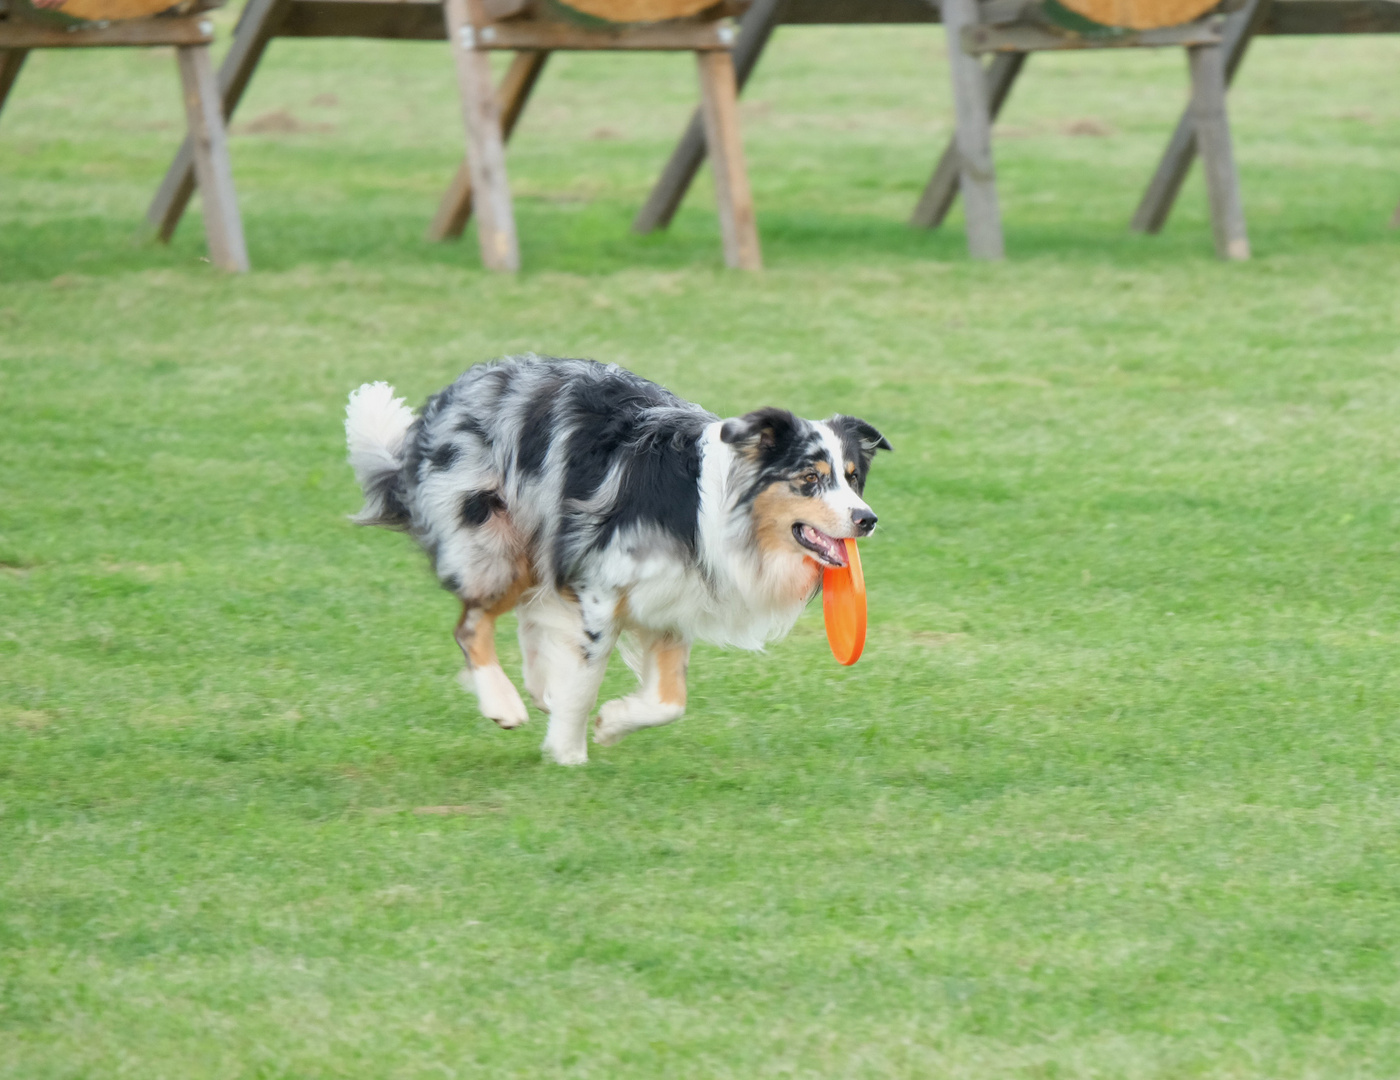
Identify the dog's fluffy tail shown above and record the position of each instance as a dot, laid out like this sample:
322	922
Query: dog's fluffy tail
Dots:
376	424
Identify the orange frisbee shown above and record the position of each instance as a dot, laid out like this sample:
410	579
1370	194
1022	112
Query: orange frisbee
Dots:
843	606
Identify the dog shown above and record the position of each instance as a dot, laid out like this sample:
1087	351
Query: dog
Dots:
594	502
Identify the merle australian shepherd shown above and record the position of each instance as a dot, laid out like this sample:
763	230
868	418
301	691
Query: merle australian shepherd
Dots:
596	503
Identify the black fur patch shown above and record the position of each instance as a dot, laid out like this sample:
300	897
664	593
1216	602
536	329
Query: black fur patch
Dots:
502	375
604	412
767	426
470	425
445	455
859	441
393	504
478	506
589	455
413	448
388	488
785	445
621	422
537	429
661	487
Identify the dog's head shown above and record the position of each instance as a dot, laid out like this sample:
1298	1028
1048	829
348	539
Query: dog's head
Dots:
806	480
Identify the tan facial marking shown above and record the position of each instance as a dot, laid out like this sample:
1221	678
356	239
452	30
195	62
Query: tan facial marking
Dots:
850	468
777	510
774	512
822	467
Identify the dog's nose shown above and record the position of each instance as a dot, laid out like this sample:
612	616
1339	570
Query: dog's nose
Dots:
865	520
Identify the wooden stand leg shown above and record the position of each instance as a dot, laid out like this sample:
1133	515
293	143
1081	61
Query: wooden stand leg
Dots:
486	148
456	206
719	107
675	179
977	177
1161	193
255	29
213	171
11	60
942	188
1217	155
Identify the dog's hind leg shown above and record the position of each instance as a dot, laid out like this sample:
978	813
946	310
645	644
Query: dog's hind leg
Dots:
476	634
660	699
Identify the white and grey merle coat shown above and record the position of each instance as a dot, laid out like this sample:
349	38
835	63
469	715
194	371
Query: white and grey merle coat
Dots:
595	502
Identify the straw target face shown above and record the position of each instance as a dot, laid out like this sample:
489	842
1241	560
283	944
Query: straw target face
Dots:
637	11
1139	14
108	10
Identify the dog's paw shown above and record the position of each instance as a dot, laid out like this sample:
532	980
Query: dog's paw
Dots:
496	695
612	725
620	717
603	735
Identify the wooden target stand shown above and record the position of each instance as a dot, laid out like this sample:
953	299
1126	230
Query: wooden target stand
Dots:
474	29
1257	17
1001	31
973	32
190	36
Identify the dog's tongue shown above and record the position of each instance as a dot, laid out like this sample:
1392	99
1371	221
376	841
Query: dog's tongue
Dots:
833	549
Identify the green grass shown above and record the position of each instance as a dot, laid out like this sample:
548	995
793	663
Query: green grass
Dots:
1112	794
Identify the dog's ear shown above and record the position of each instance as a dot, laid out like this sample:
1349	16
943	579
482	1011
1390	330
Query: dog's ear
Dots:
862	434
860	441
762	428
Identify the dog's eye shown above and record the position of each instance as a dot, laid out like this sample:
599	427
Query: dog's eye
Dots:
809	478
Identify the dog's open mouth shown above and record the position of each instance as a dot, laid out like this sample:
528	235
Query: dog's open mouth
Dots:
828	550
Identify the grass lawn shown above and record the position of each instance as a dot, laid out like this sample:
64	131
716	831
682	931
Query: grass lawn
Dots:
1113	792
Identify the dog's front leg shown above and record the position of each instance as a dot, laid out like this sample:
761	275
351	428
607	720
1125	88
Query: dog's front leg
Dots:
575	640
497	696
660	699
532	643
